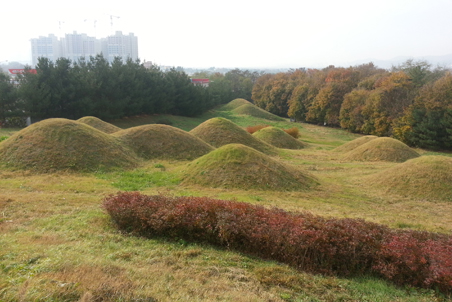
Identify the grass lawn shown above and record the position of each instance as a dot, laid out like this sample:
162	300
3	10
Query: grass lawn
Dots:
57	244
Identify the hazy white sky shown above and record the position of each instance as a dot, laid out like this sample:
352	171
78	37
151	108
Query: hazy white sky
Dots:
241	33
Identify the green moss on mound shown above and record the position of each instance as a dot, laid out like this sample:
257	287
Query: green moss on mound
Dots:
163	141
242	167
220	131
355	143
99	124
426	177
278	138
61	144
253	110
234	104
382	149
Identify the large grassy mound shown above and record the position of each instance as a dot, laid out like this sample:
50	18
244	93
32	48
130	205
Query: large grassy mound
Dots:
99	124
355	143
61	144
253	110
220	131
278	138
163	141
234	104
382	149
426	177
242	167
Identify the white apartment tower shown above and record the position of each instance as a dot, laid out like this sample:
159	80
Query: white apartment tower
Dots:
75	46
123	46
48	47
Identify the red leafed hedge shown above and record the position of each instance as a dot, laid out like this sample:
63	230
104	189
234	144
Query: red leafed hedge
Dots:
311	243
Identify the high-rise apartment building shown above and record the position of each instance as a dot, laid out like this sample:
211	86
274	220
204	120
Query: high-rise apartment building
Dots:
74	46
48	47
123	46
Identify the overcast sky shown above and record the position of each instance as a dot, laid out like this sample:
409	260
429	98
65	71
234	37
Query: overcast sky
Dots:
241	33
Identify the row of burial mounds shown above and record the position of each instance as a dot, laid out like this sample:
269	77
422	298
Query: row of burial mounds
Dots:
90	144
425	177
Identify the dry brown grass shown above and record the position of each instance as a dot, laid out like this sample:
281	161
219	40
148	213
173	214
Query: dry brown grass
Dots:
99	124
252	129
61	144
279	138
355	143
163	142
381	149
220	131
239	166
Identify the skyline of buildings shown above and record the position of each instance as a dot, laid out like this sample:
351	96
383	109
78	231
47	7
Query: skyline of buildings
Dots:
74	46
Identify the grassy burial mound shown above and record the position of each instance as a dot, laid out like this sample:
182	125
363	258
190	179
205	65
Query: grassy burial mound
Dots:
220	131
278	138
355	143
382	149
61	144
99	124
163	141
426	177
242	167
234	104
253	110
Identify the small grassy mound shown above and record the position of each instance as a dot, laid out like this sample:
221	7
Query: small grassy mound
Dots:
234	104
61	144
355	143
278	138
99	124
220	131
253	110
163	141
382	149
426	177
242	167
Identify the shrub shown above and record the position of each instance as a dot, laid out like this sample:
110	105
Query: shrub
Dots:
311	243
294	132
252	129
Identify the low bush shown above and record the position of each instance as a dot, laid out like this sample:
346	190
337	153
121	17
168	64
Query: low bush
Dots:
330	246
294	132
252	129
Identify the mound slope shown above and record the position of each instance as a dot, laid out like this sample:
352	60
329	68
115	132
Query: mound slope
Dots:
278	138
242	167
253	110
234	104
426	177
220	131
382	149
61	144
355	143
99	124
163	141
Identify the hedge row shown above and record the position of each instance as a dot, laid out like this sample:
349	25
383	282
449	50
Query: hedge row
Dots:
311	243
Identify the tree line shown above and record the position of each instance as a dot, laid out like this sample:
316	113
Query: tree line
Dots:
411	102
95	87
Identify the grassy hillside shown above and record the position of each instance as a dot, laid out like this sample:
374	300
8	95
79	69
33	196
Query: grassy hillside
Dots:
59	245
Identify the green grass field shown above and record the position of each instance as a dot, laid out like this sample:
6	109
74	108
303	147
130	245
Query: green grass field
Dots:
57	244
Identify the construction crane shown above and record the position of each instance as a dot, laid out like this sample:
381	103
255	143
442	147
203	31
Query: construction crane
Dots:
94	21
111	21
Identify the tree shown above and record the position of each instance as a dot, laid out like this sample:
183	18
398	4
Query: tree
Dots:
9	102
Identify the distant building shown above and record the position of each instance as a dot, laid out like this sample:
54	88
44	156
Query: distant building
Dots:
122	46
75	46
201	82
48	47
